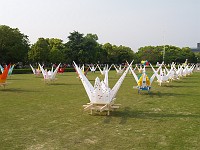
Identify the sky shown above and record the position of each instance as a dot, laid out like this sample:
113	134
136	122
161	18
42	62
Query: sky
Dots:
131	23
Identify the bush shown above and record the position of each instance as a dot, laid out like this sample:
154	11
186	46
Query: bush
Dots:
29	71
22	71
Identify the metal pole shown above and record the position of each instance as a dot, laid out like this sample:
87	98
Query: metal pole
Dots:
164	54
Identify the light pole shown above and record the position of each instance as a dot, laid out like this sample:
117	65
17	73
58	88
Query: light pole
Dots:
164	54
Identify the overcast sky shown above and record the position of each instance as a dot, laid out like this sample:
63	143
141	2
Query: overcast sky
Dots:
132	23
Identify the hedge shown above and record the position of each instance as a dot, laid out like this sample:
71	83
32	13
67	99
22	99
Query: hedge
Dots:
29	71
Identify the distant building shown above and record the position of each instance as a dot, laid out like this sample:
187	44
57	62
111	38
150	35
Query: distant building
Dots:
196	50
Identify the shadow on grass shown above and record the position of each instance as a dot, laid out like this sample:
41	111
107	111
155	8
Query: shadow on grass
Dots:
15	79
178	86
91	80
67	75
129	113
17	90
184	81
159	94
55	84
107	119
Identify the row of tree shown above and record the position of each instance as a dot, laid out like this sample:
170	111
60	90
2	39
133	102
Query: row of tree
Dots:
15	47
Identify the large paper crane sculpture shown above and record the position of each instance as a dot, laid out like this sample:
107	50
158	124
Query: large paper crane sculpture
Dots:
100	95
92	68
176	74
10	69
163	76
36	71
143	81
49	75
104	69
119	70
4	75
61	69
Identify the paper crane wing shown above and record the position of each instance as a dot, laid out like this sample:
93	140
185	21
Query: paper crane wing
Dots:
32	69
110	67
95	68
52	69
91	69
155	73
152	78
87	85
119	82
100	69
53	75
134	75
116	68
166	69
44	73
1	69
11	70
83	68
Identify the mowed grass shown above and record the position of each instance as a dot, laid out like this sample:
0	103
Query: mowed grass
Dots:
39	116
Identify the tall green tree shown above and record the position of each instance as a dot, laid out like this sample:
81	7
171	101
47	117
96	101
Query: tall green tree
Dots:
82	49
171	54
186	53
40	51
118	54
101	55
14	45
111	53
56	54
197	57
150	53
74	47
124	54
89	49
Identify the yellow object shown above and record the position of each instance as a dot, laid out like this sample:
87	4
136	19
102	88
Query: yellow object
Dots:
141	79
147	81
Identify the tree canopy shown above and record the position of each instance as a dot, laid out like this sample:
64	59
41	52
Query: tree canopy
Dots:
166	53
14	45
47	51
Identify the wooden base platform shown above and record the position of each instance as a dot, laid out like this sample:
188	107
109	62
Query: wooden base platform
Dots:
94	107
3	84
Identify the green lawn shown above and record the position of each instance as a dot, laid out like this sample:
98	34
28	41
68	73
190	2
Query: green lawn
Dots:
38	116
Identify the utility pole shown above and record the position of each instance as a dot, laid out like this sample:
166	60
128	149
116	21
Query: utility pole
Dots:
164	54
164	46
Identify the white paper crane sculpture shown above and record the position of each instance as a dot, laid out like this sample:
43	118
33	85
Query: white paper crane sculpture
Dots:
92	68
119	70
104	69
100	95
162	77
36	71
49	75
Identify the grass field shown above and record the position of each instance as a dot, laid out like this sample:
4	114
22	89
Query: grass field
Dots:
38	116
